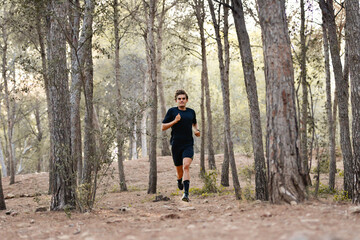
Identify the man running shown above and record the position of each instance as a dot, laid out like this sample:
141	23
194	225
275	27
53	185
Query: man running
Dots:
182	121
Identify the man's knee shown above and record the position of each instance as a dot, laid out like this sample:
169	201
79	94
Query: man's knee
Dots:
187	162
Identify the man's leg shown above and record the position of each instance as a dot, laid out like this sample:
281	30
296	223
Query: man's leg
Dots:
179	174
186	162
179	171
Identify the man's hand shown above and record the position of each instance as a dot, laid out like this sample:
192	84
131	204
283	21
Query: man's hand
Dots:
197	133
165	126
177	118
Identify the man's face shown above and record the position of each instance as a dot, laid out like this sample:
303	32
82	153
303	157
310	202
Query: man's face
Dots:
181	100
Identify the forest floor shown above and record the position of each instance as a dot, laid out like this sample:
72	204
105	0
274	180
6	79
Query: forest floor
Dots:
134	215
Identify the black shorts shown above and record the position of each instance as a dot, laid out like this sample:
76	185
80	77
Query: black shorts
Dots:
179	152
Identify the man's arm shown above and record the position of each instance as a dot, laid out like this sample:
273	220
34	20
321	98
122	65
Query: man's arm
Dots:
166	126
196	130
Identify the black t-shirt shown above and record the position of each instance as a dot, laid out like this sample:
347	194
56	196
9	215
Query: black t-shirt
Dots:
182	131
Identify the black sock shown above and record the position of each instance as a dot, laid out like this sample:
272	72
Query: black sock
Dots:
186	186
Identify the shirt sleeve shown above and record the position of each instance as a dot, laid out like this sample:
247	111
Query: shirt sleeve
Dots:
168	117
194	119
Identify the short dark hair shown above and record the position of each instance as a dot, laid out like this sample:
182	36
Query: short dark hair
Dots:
181	92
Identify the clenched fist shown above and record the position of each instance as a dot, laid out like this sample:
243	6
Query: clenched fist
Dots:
177	118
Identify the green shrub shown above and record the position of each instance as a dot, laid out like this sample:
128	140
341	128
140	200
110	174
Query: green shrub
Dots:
210	182
340	172
324	165
342	196
246	172
209	187
248	193
324	189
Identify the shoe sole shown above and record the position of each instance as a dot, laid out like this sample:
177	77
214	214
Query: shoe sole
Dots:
185	199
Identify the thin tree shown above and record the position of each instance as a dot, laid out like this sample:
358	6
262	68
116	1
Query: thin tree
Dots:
305	101
64	182
285	180
39	135
165	146
200	13
8	102
353	43
331	131
119	123
91	162
224	77
2	199
151	49
39	23
342	91
261	189
76	84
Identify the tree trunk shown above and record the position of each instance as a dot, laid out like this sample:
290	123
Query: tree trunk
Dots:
75	89
2	199
64	181
90	154
2	161
251	89
39	136
134	141
305	103
353	43
330	120
202	145
165	146
198	6
143	124
153	95
225	166
285	180
200	13
10	120
131	138
119	120
224	77
44	72
342	87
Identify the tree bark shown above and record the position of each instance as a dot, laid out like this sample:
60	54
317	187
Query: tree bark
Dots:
305	101
2	160
134	141
330	120
200	13
119	120
202	144
39	136
91	160
10	120
225	166
2	199
342	87
75	89
64	182
285	180
353	42
44	72
224	77
153	95
251	89
165	146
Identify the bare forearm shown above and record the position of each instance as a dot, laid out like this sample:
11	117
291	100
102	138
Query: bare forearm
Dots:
166	126
196	130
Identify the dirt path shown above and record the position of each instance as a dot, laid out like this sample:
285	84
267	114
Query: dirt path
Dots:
133	215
